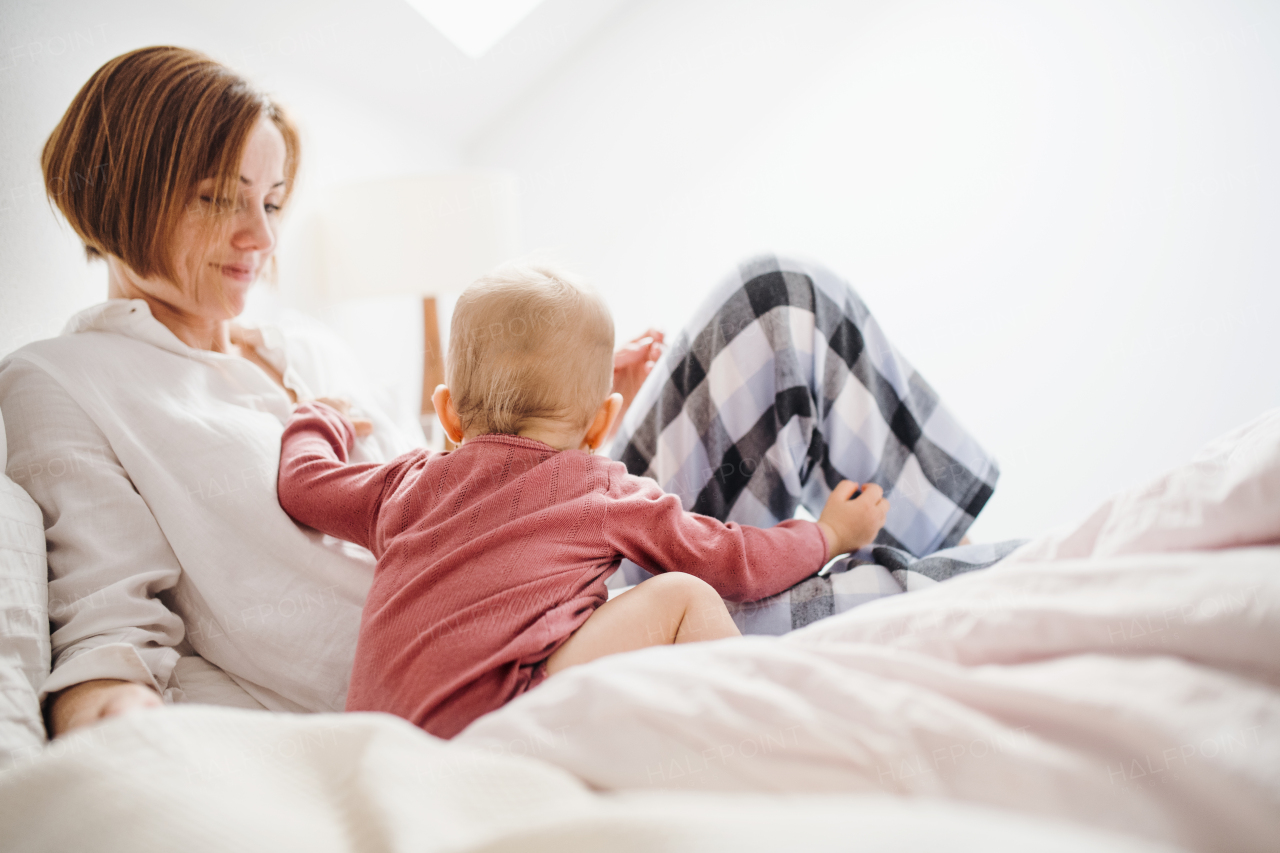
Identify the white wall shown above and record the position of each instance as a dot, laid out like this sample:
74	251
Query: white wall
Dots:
1065	213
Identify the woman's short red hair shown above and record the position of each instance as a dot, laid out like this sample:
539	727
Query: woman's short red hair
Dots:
123	163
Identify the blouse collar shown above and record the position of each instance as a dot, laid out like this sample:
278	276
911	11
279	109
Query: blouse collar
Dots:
130	317
133	318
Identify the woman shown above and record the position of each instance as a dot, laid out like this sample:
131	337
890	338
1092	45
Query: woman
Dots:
149	431
149	437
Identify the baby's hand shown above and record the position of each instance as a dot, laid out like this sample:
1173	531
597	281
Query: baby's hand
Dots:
363	426
851	524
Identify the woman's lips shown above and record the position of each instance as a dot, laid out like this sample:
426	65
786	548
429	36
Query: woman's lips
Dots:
239	273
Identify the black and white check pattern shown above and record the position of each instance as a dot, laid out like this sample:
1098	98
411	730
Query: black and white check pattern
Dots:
782	385
855	579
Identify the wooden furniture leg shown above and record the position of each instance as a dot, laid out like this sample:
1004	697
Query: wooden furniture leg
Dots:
432	366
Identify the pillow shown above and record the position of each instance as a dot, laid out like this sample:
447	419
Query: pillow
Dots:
24	619
1227	496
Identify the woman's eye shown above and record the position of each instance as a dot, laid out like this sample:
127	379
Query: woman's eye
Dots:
212	202
271	208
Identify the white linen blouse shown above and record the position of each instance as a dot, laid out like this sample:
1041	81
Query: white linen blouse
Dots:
155	465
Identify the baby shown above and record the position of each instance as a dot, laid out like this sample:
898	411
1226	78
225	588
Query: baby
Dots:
492	558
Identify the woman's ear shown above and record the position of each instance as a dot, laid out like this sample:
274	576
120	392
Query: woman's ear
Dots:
442	401
603	422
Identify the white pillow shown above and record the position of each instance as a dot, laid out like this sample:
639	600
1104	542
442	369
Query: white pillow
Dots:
24	618
1227	496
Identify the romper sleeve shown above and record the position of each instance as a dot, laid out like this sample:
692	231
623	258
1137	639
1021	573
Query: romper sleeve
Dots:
108	558
318	485
743	563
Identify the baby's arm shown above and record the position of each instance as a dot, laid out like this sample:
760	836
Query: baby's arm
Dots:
743	563
852	524
363	426
669	608
318	487
675	607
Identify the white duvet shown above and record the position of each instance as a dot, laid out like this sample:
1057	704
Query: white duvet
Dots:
1134	693
197	779
1113	687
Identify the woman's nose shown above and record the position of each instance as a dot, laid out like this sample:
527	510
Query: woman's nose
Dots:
253	230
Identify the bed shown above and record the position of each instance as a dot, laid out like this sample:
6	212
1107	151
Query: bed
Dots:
1111	686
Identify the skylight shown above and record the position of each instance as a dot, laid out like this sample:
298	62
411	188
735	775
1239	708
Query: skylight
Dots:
474	26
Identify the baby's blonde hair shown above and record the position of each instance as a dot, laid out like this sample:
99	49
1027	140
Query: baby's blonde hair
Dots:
528	342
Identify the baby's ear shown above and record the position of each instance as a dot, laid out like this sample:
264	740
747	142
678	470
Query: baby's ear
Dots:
605	418
442	401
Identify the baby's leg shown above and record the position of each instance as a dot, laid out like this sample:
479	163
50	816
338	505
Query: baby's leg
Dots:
673	607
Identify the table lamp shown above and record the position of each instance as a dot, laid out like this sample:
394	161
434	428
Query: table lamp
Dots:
427	236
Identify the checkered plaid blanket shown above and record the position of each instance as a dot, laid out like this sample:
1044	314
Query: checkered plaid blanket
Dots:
781	386
855	579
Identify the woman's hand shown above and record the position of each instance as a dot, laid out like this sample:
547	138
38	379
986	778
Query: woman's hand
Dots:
632	363
852	524
90	701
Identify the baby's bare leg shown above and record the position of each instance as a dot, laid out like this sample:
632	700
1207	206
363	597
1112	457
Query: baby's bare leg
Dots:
670	608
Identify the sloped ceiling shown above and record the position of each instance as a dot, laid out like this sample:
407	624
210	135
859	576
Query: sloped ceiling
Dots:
381	54
387	56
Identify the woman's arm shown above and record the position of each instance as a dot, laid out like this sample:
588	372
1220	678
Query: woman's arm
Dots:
108	558
91	701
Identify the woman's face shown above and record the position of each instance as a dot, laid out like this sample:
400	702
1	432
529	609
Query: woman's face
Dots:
219	258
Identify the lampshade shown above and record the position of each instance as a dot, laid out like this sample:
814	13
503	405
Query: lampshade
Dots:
419	235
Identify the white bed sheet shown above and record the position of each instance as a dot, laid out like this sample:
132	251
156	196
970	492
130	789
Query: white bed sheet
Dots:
214	779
